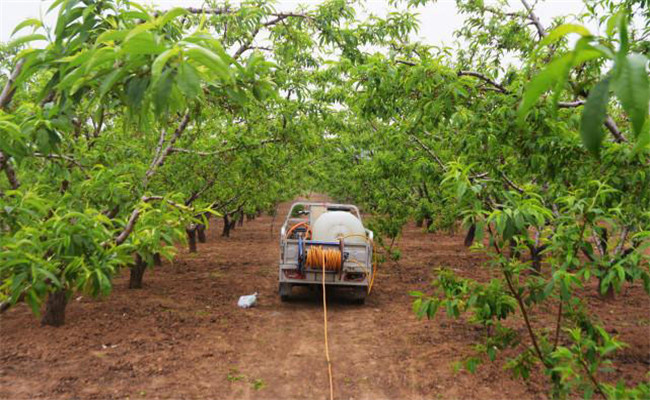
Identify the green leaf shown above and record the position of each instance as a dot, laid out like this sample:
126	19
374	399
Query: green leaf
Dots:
541	83
110	80
26	39
138	30
135	91
188	80
142	43
171	14
613	22
54	5
593	116
643	140
632	88
162	89
160	62
553	76
28	22
623	33
34	302
112	36
99	57
211	61
564	30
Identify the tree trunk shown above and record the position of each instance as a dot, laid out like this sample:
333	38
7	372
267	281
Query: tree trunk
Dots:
469	238
241	218
419	223
157	261
191	239
137	272
536	262
428	222
226	226
200	230
54	314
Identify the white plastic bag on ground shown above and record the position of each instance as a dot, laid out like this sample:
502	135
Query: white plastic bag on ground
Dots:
247	301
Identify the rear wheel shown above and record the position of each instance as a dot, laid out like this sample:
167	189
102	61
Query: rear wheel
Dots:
360	293
285	291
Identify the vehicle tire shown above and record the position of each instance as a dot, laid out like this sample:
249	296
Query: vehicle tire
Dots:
285	291
360	294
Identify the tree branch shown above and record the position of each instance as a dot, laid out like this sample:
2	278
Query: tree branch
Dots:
511	183
484	78
534	19
135	214
199	192
224	151
5	98
9	89
522	307
609	122
621	241
430	152
59	157
611	126
161	158
5	164
570	104
128	228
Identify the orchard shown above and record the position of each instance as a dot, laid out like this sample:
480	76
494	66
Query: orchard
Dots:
133	138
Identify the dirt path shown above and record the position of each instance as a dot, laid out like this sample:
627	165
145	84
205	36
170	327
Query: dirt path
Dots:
182	336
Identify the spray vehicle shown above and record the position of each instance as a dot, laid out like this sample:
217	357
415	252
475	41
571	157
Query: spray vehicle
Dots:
325	239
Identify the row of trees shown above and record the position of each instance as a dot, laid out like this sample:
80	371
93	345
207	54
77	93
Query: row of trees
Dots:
128	127
545	160
125	128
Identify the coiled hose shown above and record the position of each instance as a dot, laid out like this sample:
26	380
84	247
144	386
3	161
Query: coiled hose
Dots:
328	259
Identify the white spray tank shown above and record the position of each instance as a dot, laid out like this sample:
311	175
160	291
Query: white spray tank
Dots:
333	224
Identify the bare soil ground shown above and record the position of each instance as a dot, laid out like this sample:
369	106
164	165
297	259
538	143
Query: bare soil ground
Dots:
183	337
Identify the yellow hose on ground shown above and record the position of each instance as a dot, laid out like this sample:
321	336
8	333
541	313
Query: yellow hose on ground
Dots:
327	349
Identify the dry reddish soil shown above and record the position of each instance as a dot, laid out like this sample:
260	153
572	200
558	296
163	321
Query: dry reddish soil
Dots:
183	337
